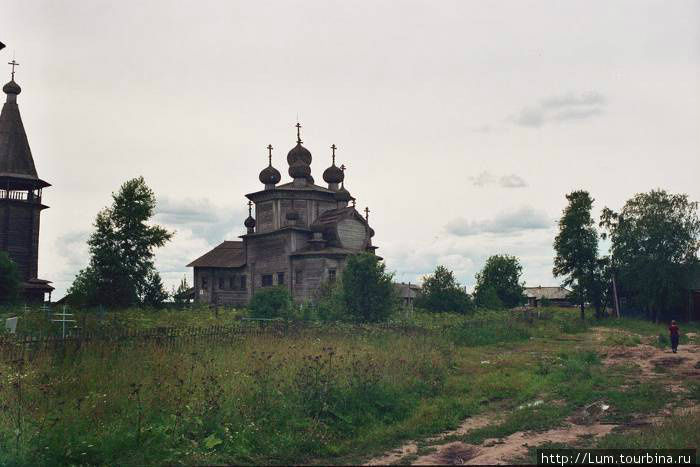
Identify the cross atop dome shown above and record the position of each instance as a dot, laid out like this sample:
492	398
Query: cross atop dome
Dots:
14	63
298	125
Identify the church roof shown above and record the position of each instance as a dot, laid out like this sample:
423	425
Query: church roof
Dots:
229	254
291	186
333	216
16	161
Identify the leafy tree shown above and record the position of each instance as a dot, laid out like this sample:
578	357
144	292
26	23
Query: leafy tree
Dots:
271	302
502	274
488	298
655	241
368	293
182	289
9	279
154	294
121	249
441	292
576	247
84	289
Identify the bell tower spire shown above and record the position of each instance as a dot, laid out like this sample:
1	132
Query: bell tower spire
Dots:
20	196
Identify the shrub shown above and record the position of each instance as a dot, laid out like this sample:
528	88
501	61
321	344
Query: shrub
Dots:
273	302
502	274
328	305
488	298
368	293
442	293
9	279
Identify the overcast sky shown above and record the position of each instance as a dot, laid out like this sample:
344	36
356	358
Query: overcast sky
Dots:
463	123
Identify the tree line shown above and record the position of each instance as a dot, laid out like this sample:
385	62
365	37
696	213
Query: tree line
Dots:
652	262
653	258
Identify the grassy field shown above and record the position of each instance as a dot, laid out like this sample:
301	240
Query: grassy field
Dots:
324	393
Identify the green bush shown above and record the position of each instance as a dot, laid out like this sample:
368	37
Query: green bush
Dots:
273	302
328	305
9	279
488	299
368	293
441	293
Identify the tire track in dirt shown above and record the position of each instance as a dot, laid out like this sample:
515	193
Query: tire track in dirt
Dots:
651	361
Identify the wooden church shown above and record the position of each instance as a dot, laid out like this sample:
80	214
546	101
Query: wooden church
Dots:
20	198
300	237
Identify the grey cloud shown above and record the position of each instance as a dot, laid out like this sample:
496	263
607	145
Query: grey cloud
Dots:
465	256
505	181
205	219
483	179
562	108
512	181
522	219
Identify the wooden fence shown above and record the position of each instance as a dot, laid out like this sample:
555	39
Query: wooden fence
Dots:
13	346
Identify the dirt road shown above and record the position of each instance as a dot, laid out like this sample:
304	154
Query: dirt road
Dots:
655	364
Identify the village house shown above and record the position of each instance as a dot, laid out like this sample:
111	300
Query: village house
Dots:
300	236
20	198
556	296
407	294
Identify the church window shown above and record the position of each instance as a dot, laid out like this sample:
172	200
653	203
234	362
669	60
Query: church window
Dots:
331	275
280	278
244	284
267	280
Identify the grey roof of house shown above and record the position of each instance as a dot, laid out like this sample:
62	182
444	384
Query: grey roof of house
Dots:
406	290
229	254
549	293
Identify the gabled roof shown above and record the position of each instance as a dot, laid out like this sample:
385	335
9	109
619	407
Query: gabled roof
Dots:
16	161
333	216
549	293
228	254
406	290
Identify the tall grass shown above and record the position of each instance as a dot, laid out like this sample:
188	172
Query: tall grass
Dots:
259	399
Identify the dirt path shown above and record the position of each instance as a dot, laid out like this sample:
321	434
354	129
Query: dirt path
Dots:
410	448
654	364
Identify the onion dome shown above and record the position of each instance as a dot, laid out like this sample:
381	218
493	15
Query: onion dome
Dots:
333	174
249	222
299	169
371	232
310	179
11	88
270	176
299	153
343	195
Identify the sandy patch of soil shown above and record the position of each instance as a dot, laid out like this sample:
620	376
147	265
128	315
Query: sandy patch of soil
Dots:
656	364
411	447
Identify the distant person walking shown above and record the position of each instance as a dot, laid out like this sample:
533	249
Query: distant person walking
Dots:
673	329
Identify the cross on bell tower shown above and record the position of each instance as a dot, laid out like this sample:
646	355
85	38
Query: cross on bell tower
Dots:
250	208
367	213
333	147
